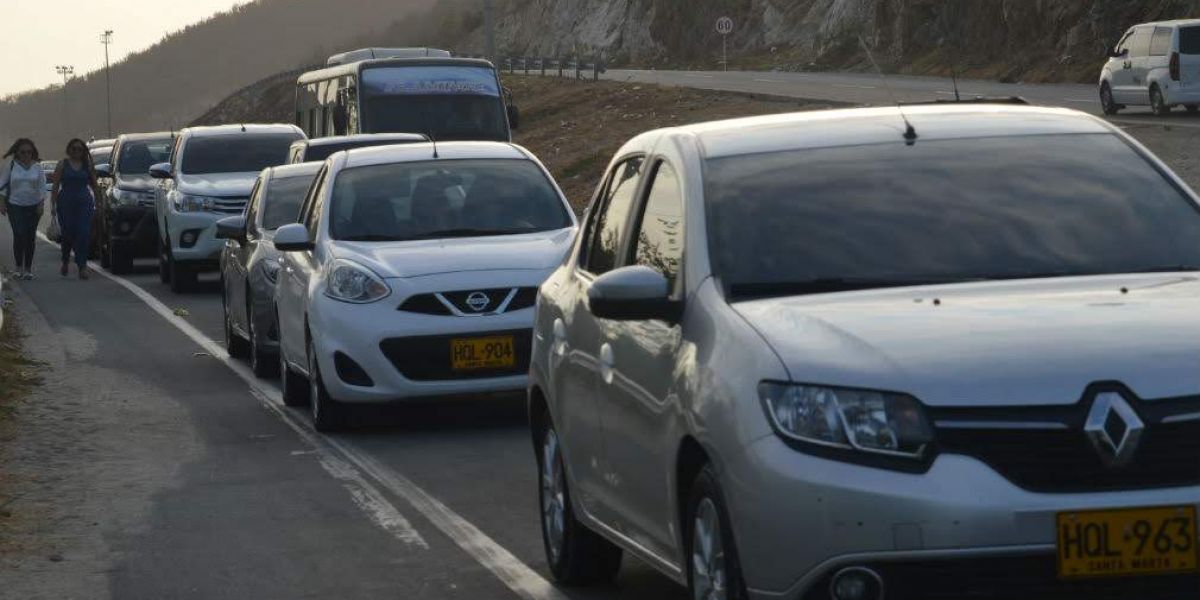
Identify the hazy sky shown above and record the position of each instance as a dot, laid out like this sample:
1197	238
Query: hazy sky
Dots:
39	34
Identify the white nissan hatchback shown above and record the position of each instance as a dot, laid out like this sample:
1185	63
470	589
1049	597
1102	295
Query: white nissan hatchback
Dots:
413	273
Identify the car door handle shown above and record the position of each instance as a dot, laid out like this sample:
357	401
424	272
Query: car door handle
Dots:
608	363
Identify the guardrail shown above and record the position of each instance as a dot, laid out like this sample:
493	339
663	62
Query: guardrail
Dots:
572	67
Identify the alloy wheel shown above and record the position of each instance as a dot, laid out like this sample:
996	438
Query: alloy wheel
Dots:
708	553
553	496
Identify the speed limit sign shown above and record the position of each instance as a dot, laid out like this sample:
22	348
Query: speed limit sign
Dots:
724	26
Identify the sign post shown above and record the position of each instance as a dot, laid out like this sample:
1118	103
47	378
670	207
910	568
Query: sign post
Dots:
724	27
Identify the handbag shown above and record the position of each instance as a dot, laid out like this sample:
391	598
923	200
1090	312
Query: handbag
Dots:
54	231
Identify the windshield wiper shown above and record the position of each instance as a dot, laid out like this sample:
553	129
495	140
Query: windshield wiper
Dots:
823	285
467	232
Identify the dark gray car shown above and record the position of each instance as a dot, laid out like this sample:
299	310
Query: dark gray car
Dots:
249	263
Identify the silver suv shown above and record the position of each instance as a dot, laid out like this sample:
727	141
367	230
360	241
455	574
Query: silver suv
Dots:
210	175
824	355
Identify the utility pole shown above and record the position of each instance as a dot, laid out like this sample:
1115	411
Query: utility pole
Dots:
489	28
66	71
106	39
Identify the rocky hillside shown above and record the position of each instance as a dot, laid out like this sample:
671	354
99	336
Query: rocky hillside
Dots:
1031	40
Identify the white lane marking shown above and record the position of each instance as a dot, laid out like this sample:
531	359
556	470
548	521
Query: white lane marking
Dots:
941	93
856	87
1082	100
505	566
366	496
697	75
768	80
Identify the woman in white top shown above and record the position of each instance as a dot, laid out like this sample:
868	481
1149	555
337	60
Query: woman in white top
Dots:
23	185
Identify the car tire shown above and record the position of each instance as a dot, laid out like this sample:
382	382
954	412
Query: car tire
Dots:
708	540
262	363
236	346
327	414
182	277
1107	104
120	261
577	555
164	263
1158	104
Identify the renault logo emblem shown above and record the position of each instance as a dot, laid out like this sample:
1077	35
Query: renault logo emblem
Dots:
1114	429
478	301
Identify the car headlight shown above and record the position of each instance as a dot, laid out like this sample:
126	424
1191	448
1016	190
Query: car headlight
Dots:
191	203
351	282
130	198
270	269
878	423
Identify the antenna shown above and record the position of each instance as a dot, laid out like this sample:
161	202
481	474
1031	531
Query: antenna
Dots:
954	78
243	128
434	142
910	133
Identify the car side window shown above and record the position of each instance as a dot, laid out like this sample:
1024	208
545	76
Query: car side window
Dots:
609	227
659	242
1160	41
253	207
312	220
309	198
1123	45
1139	44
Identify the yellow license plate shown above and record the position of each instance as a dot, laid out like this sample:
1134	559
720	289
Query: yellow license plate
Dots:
482	353
1137	541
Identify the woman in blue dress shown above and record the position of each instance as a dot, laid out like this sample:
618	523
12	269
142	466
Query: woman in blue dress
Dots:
73	201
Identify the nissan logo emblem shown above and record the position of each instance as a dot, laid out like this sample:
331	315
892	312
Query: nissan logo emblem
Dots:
478	301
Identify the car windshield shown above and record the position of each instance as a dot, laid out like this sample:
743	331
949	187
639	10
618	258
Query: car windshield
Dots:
235	153
320	152
446	103
101	156
884	215
283	200
137	156
444	199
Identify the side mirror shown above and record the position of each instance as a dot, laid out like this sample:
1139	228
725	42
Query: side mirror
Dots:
104	171
292	237
634	293
1114	53
232	228
161	171
514	116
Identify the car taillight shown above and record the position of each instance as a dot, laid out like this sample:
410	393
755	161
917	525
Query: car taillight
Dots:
1174	66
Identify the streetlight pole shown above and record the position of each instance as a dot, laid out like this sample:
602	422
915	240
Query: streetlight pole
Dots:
66	71
489	28
106	39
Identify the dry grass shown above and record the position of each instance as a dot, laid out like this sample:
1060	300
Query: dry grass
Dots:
576	126
17	373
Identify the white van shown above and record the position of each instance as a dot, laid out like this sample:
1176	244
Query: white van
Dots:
1155	65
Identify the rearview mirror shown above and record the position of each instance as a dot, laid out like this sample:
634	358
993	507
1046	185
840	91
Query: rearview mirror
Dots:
104	171
232	228
292	237
161	171
634	293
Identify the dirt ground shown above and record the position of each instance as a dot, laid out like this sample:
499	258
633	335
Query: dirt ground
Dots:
576	126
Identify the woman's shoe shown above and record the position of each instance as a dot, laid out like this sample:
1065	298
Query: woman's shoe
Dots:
83	273
65	270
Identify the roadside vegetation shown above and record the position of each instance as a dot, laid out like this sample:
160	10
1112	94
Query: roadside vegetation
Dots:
17	373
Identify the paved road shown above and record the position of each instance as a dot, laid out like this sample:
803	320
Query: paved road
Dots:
869	89
430	501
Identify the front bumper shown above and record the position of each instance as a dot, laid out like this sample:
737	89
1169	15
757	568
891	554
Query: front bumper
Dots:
135	227
375	335
207	249
799	518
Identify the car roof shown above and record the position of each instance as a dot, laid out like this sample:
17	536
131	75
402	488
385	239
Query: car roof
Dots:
364	137
295	170
158	135
858	126
215	130
376	155
1172	23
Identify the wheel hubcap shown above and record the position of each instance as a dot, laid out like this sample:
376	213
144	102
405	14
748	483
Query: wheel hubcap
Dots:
708	553
553	496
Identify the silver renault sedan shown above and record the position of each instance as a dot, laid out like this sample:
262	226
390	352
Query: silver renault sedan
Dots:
936	352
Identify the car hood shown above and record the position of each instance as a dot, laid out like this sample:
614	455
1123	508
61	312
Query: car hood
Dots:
531	252
222	185
1037	342
135	183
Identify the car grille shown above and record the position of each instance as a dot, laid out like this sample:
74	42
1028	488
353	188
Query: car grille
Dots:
1019	445
427	358
1013	578
458	303
230	206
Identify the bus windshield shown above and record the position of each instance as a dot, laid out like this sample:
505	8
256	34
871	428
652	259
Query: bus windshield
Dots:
444	102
